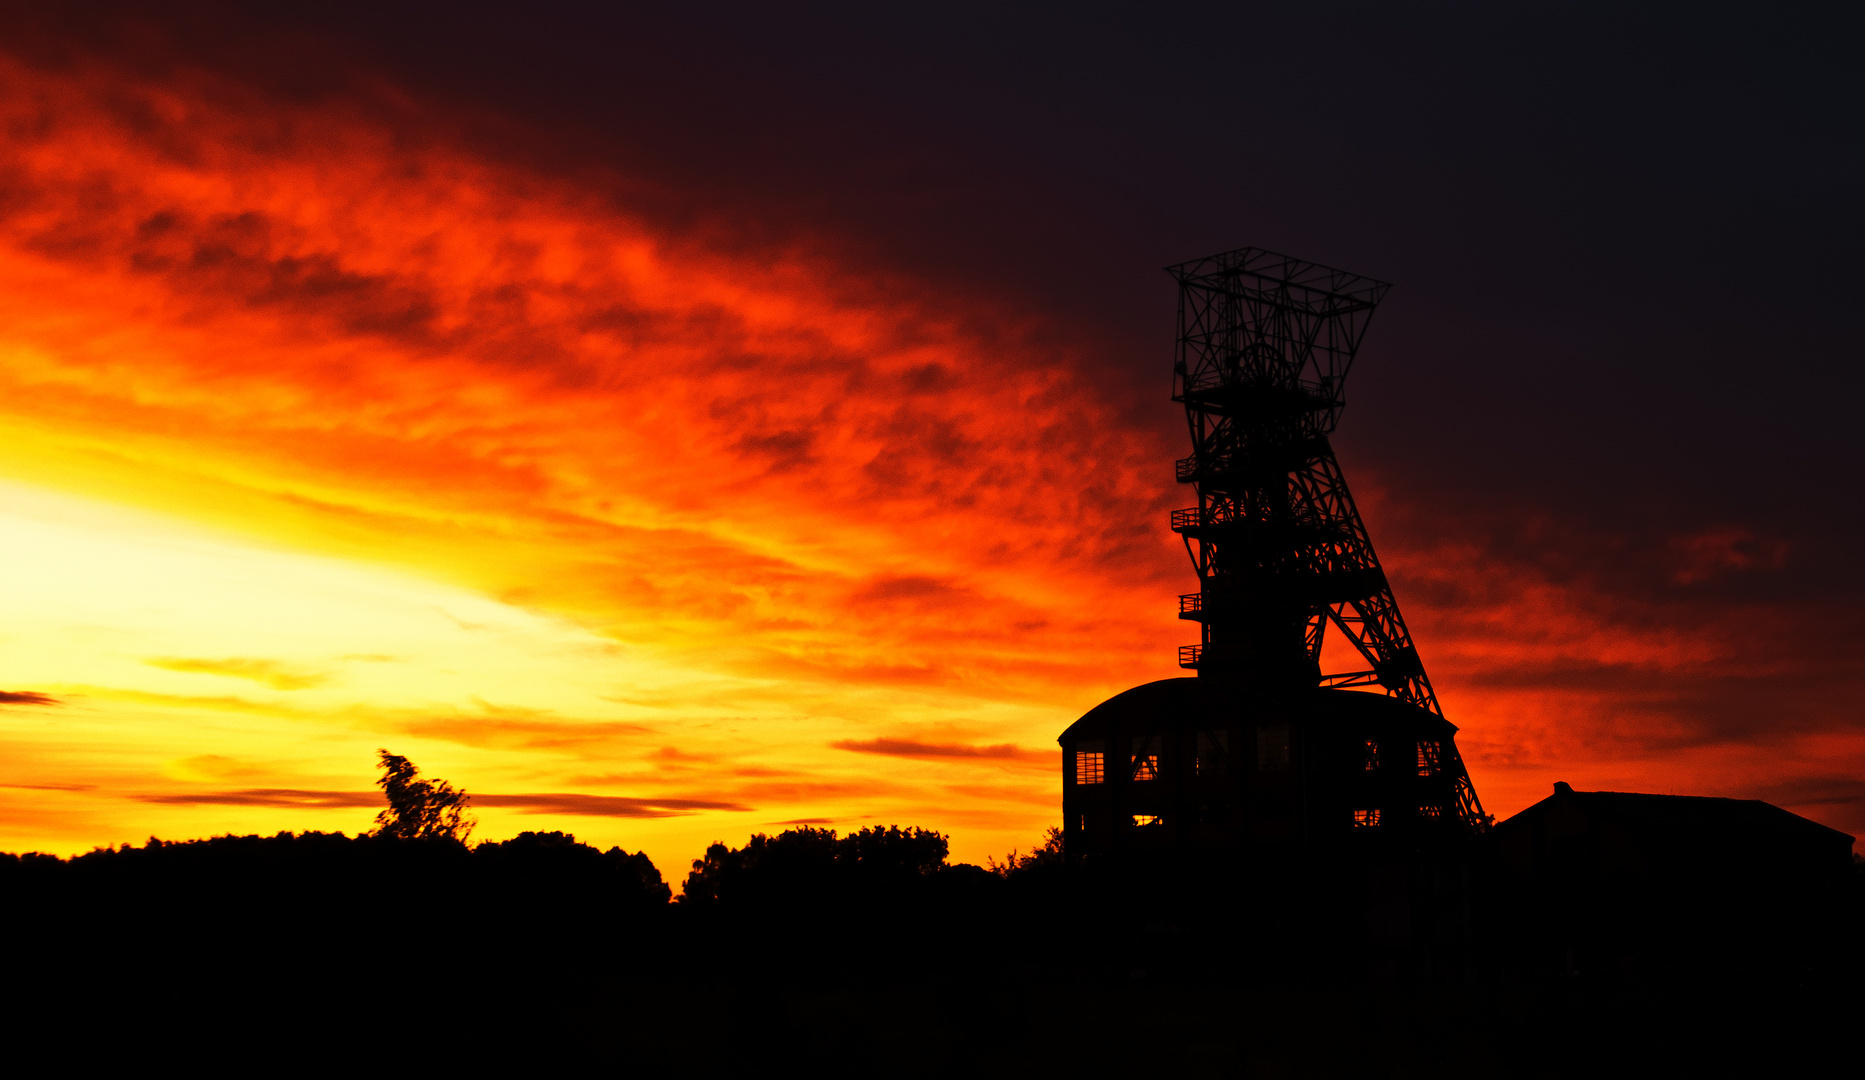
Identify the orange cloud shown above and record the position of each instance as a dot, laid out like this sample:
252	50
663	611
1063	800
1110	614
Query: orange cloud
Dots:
604	805
272	673
286	797
914	748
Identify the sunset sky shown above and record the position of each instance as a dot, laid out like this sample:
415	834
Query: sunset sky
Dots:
669	427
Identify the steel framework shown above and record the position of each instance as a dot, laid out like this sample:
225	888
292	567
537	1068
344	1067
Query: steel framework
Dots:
1265	342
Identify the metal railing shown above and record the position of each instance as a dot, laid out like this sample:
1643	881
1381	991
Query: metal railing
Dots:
1191	603
1210	374
1189	655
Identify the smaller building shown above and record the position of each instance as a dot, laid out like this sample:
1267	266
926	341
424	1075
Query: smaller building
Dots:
1609	883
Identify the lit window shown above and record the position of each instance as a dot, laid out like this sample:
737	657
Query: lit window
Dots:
1144	820
1087	766
1365	819
1272	747
1372	754
1431	813
1213	748
1427	757
1146	758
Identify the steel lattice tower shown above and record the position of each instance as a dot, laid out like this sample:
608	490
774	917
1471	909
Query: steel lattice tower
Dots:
1265	342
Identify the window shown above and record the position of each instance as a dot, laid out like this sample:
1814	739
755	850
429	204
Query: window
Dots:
1427	757
1146	758
1213	748
1146	820
1088	762
1365	819
1431	813
1272	747
1372	754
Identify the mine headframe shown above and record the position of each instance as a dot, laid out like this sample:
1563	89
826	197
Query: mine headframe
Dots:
1265	343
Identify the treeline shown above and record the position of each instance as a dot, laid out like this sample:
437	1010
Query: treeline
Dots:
861	953
802	866
537	901
871	953
291	867
476	947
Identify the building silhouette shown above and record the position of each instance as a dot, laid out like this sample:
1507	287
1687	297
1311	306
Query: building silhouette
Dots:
1262	748
1610	884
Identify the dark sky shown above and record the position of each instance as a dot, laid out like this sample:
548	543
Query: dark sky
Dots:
1623	237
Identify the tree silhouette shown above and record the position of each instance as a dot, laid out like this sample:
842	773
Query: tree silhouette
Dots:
1047	856
419	809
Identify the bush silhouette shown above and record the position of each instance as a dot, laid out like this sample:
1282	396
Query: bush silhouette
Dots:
554	865
1045	859
814	865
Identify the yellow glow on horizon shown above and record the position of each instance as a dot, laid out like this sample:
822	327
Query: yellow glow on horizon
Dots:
363	440
192	665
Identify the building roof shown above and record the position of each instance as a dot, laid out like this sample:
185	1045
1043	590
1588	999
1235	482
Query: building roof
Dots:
1205	700
1726	821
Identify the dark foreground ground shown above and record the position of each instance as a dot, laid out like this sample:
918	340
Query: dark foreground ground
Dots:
295	953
